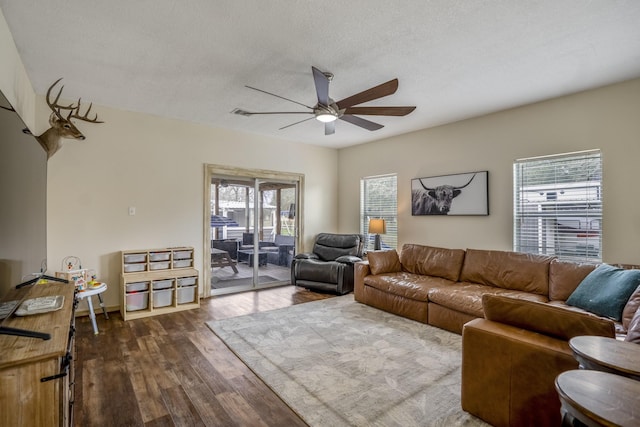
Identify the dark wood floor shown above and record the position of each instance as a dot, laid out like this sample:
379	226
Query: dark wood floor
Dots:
171	370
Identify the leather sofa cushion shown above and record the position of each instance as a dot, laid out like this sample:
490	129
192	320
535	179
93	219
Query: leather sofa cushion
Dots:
407	285
467	297
630	308
544	318
509	270
620	331
432	261
633	332
565	276
384	262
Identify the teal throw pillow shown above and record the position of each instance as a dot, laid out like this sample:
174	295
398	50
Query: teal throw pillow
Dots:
605	291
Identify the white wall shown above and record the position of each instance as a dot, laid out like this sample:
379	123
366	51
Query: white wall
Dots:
157	165
607	118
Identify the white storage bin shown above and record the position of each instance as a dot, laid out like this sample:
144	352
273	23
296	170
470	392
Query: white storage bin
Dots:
135	258
162	298
187	281
132	268
137	286
162	284
182	254
186	294
164	265
159	256
137	300
182	263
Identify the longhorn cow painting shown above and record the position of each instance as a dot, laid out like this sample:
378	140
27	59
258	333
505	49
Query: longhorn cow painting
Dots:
459	194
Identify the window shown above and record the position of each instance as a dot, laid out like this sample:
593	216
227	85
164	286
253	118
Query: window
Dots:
378	199
558	206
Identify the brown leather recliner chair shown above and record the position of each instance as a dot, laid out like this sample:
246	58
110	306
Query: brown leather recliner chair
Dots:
330	267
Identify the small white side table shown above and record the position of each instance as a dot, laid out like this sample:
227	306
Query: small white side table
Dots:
88	293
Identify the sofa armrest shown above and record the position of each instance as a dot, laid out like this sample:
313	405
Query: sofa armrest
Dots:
361	270
348	259
543	318
306	255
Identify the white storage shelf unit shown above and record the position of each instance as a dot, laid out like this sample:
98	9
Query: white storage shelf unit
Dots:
158	281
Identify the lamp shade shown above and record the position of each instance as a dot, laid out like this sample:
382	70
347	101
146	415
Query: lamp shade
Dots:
377	226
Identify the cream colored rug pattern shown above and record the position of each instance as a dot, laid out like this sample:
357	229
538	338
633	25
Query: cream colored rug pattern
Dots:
337	362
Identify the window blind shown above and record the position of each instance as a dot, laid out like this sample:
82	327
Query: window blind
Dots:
379	199
558	206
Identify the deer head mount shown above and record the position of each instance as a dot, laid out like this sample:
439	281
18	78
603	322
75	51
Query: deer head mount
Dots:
61	126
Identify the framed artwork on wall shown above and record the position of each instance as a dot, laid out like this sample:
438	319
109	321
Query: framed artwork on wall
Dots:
458	194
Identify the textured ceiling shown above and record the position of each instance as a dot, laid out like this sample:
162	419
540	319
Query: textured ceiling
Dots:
454	58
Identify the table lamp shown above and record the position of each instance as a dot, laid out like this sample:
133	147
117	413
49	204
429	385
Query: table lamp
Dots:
377	226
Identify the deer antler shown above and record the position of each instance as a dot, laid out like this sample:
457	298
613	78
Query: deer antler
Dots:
62	127
85	117
54	105
74	110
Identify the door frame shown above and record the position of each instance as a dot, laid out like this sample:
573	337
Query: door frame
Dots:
211	170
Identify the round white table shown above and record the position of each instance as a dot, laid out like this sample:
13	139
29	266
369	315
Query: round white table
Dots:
88	293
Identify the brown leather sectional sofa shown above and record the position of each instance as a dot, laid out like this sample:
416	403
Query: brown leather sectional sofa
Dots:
509	307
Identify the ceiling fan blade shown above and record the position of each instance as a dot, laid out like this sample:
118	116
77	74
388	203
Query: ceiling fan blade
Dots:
330	128
382	90
242	112
379	111
363	123
278	96
284	127
322	86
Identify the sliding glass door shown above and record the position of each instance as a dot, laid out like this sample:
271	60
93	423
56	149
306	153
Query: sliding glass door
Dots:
251	228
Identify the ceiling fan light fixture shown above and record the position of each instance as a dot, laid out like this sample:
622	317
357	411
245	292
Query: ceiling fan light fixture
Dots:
327	110
326	117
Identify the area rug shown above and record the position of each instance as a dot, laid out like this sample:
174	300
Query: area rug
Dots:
337	362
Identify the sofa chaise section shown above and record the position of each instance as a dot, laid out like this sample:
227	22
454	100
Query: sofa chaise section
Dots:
511	358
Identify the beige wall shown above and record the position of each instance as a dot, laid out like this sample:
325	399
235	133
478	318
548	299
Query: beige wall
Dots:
21	249
607	118
157	165
23	188
14	83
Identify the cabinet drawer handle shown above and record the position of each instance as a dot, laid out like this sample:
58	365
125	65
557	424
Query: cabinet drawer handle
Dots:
53	377
66	361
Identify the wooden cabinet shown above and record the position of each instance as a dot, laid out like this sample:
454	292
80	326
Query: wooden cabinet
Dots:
36	376
158	281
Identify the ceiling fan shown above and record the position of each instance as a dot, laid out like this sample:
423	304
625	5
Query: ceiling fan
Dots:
328	111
